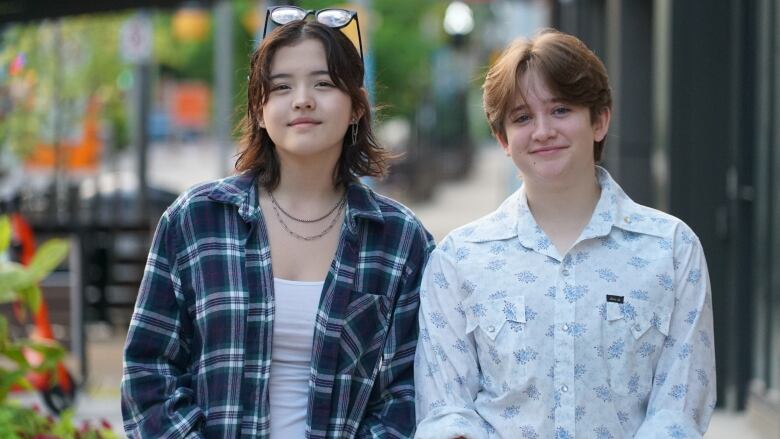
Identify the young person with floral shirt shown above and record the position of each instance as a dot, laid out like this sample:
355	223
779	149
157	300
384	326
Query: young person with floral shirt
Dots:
570	311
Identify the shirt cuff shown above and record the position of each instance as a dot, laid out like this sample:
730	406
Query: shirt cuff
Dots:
669	423
451	426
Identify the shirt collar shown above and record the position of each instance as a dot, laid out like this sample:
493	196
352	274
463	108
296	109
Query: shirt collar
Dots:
616	209
513	218
241	190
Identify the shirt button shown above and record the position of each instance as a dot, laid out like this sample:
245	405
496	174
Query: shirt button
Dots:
565	272
637	328
627	220
491	328
565	327
564	388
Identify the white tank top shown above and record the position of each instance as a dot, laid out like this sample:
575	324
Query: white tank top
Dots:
296	311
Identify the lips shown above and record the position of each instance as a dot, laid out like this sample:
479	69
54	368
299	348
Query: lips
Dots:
303	121
547	150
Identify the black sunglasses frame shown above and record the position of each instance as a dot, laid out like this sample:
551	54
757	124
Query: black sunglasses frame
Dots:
316	13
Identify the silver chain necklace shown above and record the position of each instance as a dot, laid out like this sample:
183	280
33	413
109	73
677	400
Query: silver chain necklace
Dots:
301	220
339	208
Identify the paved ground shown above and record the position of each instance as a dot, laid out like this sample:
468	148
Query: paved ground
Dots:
453	204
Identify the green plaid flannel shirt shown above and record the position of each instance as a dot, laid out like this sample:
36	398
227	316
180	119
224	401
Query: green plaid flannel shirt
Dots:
198	352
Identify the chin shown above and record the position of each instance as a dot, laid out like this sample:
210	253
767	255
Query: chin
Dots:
548	171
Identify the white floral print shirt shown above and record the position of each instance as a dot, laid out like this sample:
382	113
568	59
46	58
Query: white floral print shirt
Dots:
612	340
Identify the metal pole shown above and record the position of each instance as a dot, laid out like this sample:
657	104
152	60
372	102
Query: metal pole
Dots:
58	199
223	87
142	84
368	58
141	139
77	337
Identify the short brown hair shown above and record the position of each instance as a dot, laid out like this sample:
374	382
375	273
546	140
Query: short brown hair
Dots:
572	71
258	152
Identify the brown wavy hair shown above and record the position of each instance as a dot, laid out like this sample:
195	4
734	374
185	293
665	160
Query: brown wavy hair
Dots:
572	71
258	152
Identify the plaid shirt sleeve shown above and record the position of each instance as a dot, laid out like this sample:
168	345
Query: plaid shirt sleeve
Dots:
390	410
157	395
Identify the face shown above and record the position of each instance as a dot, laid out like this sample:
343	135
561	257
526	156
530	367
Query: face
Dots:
551	141
305	115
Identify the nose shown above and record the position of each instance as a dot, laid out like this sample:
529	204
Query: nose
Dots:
303	100
543	129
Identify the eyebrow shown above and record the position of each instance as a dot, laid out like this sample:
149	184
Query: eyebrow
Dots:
288	75
546	101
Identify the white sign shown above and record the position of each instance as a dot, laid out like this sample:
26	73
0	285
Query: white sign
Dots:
136	39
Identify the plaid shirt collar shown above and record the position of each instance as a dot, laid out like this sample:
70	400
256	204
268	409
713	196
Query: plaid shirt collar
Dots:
241	190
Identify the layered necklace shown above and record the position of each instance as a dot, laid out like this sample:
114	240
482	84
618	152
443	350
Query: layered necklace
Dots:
338	208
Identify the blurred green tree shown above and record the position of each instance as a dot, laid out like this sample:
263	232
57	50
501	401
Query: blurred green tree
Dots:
49	73
401	44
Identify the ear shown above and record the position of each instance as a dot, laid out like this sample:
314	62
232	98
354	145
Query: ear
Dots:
601	124
260	121
357	114
503	142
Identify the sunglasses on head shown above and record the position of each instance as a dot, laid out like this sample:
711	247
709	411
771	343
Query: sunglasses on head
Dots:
331	17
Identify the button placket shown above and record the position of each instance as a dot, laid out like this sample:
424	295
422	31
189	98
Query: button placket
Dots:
565	315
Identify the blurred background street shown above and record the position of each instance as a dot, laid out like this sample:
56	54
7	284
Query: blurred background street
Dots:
108	110
451	205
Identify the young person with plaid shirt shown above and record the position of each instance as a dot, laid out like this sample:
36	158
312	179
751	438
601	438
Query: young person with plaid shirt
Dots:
321	345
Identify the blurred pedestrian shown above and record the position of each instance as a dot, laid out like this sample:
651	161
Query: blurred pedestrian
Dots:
571	310
321	345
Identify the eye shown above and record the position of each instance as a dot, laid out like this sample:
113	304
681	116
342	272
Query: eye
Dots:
561	110
324	83
279	87
521	118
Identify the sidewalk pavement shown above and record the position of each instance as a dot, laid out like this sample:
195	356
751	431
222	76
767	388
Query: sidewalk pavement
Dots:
453	204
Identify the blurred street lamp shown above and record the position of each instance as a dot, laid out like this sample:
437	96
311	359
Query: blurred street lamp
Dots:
191	23
458	19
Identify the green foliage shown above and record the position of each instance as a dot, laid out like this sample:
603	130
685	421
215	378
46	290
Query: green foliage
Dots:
184	59
194	60
73	60
402	52
47	258
5	233
17	421
401	49
59	65
20	284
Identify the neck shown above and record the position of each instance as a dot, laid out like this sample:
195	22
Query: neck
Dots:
563	201
307	176
306	190
563	211
560	197
308	179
